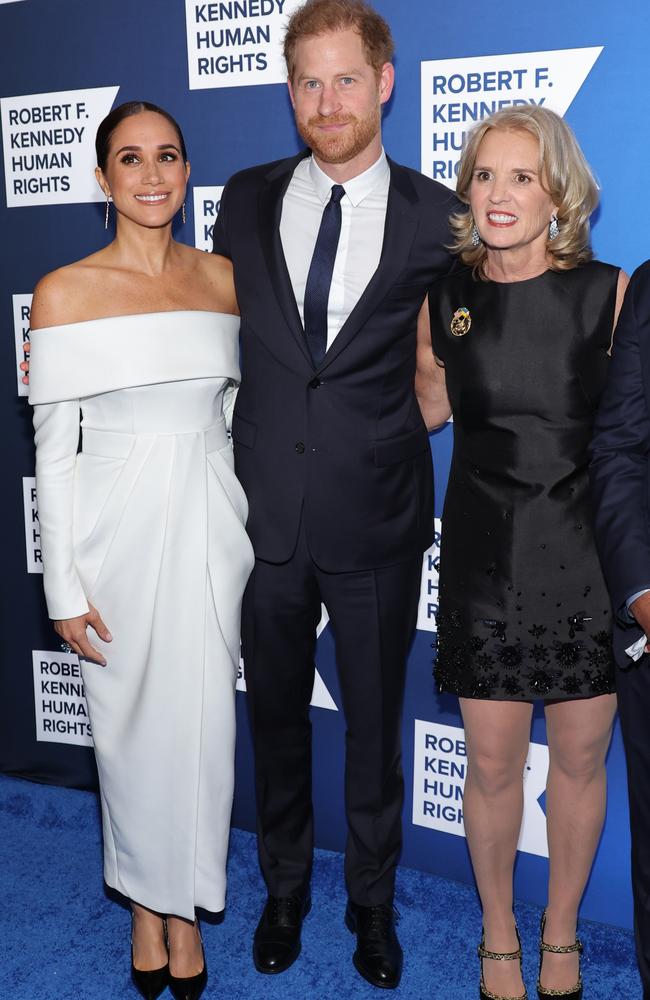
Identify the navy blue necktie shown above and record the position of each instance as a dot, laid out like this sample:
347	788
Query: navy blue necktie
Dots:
319	279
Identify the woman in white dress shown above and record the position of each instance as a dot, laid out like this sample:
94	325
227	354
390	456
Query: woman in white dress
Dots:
143	532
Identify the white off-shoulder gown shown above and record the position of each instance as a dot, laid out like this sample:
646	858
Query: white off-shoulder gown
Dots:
146	523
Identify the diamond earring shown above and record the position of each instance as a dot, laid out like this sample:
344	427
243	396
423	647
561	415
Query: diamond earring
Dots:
553	228
108	199
476	236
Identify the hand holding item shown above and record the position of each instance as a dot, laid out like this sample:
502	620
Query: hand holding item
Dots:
73	632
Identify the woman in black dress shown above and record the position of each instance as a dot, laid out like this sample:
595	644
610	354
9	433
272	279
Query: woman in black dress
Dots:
523	332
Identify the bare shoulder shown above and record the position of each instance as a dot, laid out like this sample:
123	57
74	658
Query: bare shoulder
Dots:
214	265
217	272
63	296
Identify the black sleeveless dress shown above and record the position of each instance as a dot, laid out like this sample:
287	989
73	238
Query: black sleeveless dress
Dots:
523	608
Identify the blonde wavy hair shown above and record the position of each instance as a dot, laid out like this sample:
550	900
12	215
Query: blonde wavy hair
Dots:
565	176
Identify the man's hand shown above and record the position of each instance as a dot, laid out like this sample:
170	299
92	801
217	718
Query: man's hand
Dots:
24	365
641	611
73	631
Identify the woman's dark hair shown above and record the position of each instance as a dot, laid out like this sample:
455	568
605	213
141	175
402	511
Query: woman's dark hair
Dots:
117	115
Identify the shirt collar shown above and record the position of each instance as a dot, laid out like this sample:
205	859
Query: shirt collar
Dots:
358	187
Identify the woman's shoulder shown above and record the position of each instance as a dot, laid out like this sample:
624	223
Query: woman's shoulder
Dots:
459	279
217	272
599	269
61	296
210	263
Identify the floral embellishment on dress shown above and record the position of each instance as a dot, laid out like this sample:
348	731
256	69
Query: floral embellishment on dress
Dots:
461	322
512	686
510	656
599	683
498	628
484	686
568	653
539	653
537	631
571	684
484	661
458	658
541	681
599	658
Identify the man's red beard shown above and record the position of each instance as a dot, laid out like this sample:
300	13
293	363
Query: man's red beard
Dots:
344	146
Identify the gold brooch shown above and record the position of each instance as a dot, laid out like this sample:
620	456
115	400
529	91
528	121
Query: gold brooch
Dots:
461	321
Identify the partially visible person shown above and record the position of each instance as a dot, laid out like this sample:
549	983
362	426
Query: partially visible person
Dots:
620	476
523	332
143	531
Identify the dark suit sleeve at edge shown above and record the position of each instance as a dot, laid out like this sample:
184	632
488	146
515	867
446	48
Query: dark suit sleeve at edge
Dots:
220	241
619	466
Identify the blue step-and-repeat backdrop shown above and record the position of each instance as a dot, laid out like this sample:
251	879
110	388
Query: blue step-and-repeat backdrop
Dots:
217	67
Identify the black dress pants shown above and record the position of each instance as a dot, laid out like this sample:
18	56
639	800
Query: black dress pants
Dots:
633	690
372	615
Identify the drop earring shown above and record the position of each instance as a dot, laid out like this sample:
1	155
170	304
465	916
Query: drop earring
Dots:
183	213
108	199
476	236
553	228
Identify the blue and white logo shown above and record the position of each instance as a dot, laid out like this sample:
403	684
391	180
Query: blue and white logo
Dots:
237	43
49	145
458	93
207	201
439	771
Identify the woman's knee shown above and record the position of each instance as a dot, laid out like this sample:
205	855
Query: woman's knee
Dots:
494	772
579	761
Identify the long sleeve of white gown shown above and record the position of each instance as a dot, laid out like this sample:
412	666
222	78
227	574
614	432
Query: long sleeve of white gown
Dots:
56	428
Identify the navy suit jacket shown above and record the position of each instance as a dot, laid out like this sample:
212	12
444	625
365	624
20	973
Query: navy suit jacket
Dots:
343	444
620	465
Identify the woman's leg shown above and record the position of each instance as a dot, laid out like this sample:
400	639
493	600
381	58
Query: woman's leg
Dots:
497	734
578	734
149	948
185	950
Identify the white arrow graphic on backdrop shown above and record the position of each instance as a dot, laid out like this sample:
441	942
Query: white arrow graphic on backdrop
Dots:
320	698
532	838
456	93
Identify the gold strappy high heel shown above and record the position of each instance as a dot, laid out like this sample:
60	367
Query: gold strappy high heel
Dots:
499	956
574	992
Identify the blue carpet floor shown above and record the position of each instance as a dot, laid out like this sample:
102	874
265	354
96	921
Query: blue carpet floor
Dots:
62	938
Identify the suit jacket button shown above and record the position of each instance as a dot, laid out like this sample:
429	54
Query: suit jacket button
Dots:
300	448
315	383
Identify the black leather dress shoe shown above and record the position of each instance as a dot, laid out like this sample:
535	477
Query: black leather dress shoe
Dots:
378	957
276	944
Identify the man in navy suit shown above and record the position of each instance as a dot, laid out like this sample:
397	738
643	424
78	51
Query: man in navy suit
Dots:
620	472
333	253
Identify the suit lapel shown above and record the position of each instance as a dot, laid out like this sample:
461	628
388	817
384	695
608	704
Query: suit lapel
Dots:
402	217
270	213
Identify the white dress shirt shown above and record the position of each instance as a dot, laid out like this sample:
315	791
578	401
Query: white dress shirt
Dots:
363	219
